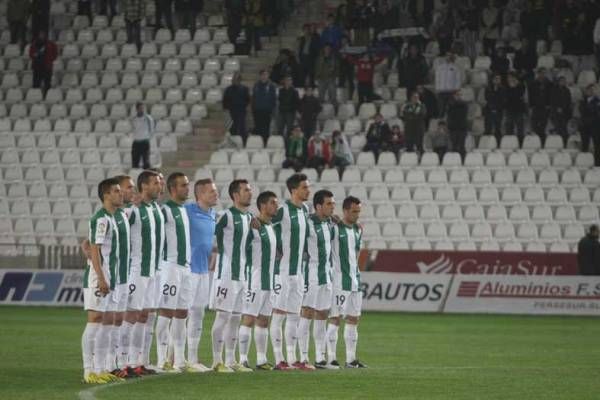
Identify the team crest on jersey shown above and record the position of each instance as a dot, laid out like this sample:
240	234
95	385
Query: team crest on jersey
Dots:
101	228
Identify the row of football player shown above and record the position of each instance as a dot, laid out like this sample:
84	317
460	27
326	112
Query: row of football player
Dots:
282	264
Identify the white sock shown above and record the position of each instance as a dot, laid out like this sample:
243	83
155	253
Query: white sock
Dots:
277	337
148	333
332	338
162	339
113	348
303	338
245	335
101	348
124	339
350	338
319	331
231	338
136	344
87	346
178	335
194	333
218	327
261	335
291	337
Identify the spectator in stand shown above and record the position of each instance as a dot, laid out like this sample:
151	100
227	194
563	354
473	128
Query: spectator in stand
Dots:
235	100
332	34
234	11
539	92
490	28
580	41
254	23
567	21
289	102
525	61
413	69
377	131
561	108
495	102
84	7
264	100
40	17
440	139
500	63
589	109
319	152
346	69
588	253
17	14
341	152
457	123
515	107
443	29
295	153
187	12
365	70
309	109
532	27
428	98
449	78
363	23
308	52
143	131
164	8
394	141
42	52
326	72
135	12
385	18
468	29
414	114
285	65
105	6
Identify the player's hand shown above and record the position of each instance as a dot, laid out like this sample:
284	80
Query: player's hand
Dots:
85	248
103	286
255	223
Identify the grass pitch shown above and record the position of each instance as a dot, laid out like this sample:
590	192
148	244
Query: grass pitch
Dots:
411	356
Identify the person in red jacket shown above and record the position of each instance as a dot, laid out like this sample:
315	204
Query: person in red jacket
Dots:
42	52
319	152
365	69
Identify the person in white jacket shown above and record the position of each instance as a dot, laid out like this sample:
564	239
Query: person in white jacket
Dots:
449	78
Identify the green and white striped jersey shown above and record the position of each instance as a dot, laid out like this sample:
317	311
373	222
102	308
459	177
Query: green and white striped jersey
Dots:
143	240
122	220
291	229
233	238
345	251
261	254
318	270
159	222
103	232
177	235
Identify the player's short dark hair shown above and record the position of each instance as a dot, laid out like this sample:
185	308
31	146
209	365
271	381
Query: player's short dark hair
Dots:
348	201
172	179
320	196
144	178
122	178
234	187
294	181
201	182
105	186
264	198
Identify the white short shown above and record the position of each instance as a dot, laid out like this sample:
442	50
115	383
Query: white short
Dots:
200	290
346	304
257	303
119	300
318	297
152	293
94	301
175	287
287	293
138	286
228	296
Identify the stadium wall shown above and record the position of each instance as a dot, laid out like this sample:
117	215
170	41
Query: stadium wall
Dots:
382	291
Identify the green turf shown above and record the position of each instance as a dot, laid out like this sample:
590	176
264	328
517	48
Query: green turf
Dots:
411	356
